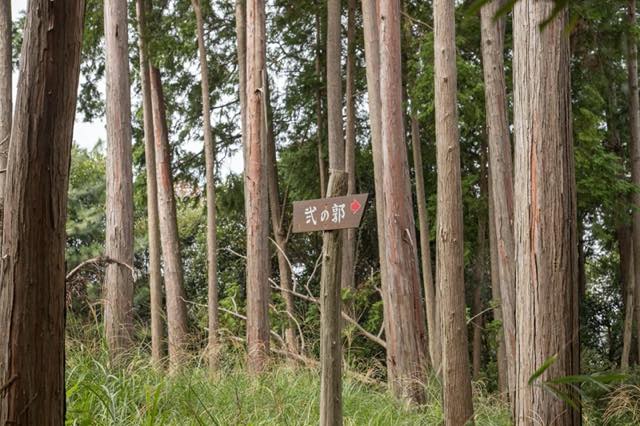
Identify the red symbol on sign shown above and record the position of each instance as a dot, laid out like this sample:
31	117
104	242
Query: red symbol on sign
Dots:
355	206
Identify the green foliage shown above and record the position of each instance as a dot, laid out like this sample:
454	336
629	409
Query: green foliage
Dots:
137	394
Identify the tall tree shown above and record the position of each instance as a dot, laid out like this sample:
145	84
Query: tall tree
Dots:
477	310
433	323
334	87
256	190
118	308
372	58
32	284
625	250
210	159
458	406
406	331
6	103
319	110
155	275
279	229
634	148
544	213
501	172
172	259
501	353
348	251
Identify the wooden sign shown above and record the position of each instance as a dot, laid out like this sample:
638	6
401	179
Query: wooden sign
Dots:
326	214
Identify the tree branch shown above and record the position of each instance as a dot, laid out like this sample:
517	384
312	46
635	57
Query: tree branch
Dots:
98	261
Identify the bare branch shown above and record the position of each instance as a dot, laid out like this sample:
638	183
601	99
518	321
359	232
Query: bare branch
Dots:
100	260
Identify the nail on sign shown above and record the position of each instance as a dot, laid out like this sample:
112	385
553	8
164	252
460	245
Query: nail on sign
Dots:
329	213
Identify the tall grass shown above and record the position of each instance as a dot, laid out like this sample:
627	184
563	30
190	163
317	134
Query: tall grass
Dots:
138	394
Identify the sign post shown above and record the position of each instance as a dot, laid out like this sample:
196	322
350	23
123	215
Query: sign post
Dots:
330	215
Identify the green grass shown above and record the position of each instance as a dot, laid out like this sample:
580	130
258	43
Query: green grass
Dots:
137	394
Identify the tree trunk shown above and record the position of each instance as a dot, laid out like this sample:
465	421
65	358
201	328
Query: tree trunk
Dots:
210	160
479	275
372	57
501	175
458	406
155	277
32	290
349	249
256	190
241	35
334	87
118	304
634	145
545	214
322	170
279	230
625	247
330	311
176	307
433	325
406	332
6	105
501	353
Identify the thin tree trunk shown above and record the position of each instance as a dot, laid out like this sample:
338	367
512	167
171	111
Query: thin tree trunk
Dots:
210	159
625	247
256	190
406	332
322	170
479	274
545	214
155	277
118	305
32	293
241	50
172	259
433	325
458	406
501	176
6	105
330	311
348	251
334	88
372	57
634	146
279	230
501	353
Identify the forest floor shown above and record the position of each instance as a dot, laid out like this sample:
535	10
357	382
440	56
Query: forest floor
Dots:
138	394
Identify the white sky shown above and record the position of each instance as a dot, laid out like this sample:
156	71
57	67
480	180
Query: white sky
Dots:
87	134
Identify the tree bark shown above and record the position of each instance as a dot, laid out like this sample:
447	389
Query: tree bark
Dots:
545	214
625	247
634	147
173	277
32	284
210	160
331	309
334	87
406	332
458	406
349	249
479	275
118	304
322	170
241	46
155	277
501	176
6	103
433	325
279	230
256	190
501	353
372	58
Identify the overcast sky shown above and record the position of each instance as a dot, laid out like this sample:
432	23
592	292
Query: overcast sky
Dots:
87	134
